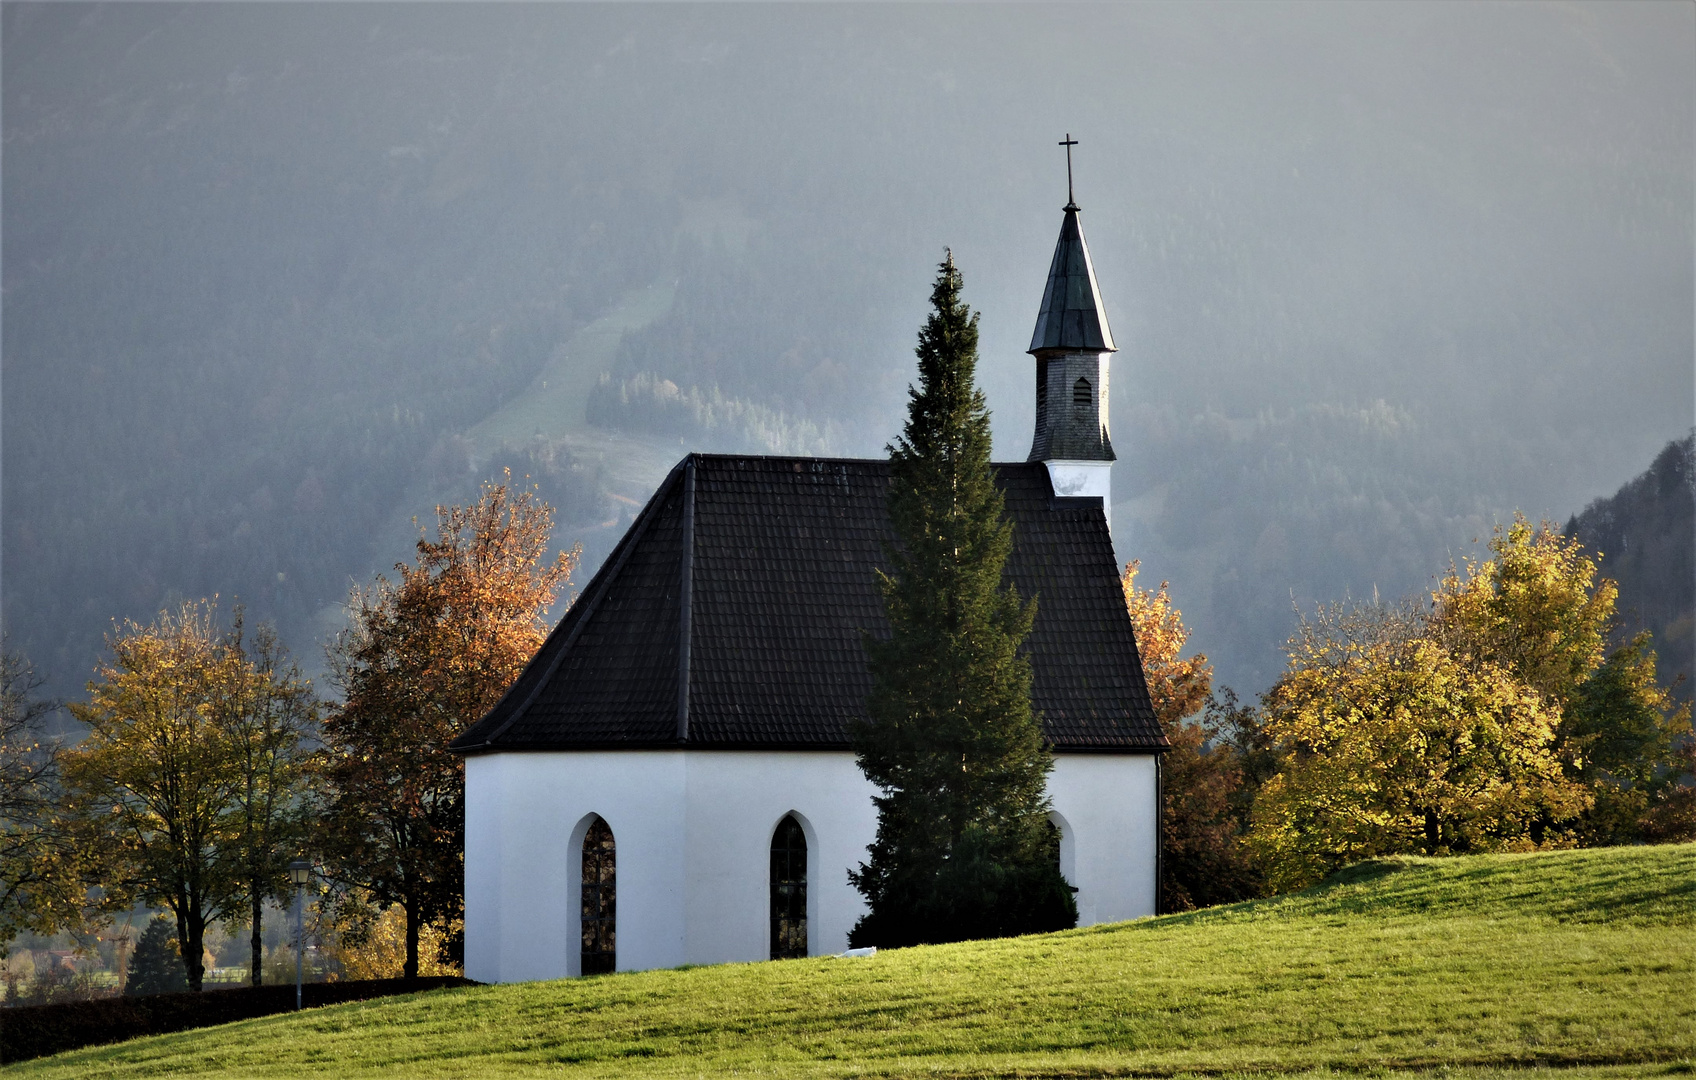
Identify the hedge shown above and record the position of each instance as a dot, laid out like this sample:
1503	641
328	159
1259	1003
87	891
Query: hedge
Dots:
33	1031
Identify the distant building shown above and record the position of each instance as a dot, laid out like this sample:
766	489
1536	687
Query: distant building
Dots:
670	780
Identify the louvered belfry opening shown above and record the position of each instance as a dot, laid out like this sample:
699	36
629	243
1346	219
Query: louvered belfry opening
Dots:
788	890
600	900
1080	394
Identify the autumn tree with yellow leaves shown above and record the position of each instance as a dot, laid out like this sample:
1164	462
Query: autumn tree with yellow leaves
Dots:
270	723
424	658
39	858
1540	609
1492	718
191	774
1391	745
369	944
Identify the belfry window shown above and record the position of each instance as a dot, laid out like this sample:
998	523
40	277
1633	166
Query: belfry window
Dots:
1081	396
788	890
600	901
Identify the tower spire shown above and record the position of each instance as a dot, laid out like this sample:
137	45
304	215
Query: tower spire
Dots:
1072	345
1072	315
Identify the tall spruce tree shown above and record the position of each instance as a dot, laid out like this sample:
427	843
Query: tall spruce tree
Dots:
964	847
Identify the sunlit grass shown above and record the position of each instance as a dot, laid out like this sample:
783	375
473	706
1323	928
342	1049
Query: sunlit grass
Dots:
1576	964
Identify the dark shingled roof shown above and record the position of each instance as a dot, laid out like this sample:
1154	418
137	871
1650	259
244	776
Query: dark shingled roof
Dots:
1072	316
764	619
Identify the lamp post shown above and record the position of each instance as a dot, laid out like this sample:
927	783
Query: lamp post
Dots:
300	872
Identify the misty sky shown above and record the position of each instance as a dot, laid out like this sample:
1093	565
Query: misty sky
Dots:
1461	230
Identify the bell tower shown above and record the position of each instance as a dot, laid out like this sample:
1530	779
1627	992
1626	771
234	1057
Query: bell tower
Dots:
1072	345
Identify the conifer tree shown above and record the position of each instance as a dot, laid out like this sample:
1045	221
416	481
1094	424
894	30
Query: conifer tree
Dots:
156	966
964	847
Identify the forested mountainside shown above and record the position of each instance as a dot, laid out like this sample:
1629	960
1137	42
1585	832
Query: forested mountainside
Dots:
1646	534
266	273
279	278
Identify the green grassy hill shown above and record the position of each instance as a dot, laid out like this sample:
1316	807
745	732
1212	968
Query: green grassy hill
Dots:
1570	964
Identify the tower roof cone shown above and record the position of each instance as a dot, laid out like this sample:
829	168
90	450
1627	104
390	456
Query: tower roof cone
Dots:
1072	316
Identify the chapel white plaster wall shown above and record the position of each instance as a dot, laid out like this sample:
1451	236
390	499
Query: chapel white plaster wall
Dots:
693	832
484	811
521	810
1109	803
736	799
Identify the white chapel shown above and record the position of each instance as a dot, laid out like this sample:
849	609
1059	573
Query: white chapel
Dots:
670	780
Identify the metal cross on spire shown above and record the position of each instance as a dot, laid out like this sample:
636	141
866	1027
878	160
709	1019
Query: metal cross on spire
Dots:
1068	143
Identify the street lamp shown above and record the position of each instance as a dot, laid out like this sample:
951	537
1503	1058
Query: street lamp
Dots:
300	872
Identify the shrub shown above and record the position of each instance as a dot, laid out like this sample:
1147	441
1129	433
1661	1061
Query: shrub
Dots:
36	1031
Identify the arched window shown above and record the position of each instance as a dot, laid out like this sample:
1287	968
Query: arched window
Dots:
788	890
1081	396
600	901
1063	851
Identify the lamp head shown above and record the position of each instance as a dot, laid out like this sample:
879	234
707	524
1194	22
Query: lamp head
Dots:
300	872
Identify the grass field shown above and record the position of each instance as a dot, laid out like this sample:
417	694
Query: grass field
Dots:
1569	965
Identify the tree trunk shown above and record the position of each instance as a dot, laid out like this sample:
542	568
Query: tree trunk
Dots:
257	941
191	942
410	971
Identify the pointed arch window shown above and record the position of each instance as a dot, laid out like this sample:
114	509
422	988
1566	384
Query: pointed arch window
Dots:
788	890
1082	396
599	900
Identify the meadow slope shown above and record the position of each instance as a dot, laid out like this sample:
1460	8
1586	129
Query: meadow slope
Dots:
1570	964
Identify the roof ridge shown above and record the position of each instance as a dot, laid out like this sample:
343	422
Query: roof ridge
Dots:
699	456
789	457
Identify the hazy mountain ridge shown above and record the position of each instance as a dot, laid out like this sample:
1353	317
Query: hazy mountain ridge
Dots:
1645	534
1252	518
279	278
277	351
